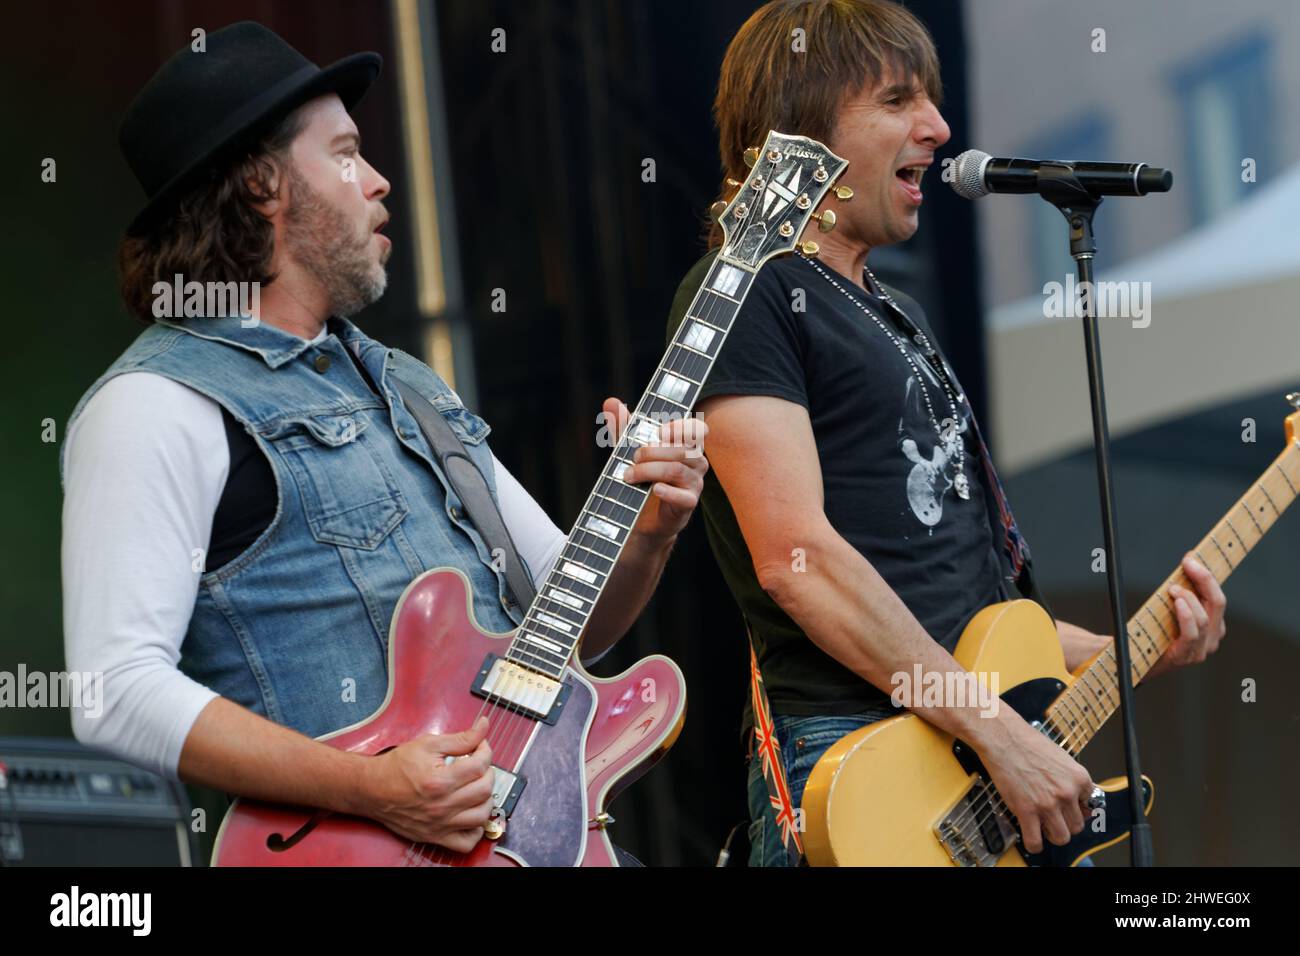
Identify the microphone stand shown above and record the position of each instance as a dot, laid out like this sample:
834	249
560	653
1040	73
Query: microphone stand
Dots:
1060	187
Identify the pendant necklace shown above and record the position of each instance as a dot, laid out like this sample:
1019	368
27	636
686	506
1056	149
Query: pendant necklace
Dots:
960	482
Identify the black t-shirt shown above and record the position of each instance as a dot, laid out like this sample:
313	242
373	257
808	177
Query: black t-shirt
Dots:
887	475
248	500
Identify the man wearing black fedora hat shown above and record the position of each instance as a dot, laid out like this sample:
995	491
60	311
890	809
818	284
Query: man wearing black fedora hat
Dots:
247	493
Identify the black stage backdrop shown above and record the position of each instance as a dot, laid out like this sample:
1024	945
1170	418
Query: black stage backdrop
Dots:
547	147
547	144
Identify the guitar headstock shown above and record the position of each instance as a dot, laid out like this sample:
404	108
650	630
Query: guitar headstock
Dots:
1293	420
789	177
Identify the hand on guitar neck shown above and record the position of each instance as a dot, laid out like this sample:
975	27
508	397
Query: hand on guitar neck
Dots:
1200	619
1042	784
1016	781
1199	614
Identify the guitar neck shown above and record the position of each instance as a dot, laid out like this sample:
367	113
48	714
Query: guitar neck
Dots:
1079	712
553	625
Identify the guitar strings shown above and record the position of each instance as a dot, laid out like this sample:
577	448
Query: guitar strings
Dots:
1112	662
513	726
1112	667
995	803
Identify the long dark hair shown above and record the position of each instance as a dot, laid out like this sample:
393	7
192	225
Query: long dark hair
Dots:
214	234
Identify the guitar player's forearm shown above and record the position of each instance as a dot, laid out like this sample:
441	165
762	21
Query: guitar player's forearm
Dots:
1079	645
232	749
848	610
631	583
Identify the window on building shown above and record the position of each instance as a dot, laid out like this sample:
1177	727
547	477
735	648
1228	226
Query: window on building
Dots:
1085	140
1226	102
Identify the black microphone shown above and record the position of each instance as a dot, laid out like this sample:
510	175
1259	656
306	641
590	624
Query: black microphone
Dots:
978	173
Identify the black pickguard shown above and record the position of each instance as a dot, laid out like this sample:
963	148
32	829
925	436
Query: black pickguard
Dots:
1030	700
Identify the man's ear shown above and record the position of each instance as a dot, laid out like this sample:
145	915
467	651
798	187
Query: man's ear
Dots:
265	177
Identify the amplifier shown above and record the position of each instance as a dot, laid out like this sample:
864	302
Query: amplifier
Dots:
67	805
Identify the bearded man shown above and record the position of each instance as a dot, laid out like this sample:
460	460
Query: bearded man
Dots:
247	496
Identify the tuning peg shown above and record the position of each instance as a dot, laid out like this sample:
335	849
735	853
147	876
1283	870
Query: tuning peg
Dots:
810	249
717	209
734	183
1294	399
825	220
751	156
843	193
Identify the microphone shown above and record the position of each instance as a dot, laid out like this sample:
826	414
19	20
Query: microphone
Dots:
978	173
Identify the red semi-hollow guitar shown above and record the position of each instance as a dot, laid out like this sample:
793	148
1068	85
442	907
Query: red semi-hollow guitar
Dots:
608	733
563	742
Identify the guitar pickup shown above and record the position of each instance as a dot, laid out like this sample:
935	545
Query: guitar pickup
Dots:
515	687
974	832
506	788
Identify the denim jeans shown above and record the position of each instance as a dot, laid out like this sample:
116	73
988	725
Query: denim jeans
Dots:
803	741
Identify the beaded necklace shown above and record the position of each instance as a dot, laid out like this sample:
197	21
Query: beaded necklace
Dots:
960	482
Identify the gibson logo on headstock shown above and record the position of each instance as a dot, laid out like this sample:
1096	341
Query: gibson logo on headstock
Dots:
800	152
790	176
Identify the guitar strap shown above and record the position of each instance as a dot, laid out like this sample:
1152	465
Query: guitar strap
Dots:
471	487
788	817
1019	564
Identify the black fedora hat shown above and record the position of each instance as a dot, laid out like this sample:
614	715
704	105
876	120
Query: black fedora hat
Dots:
201	107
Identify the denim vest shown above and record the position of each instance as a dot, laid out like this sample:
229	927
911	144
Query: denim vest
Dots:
296	627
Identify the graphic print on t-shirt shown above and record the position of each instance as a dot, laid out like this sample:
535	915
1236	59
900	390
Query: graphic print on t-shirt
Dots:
841	366
931	453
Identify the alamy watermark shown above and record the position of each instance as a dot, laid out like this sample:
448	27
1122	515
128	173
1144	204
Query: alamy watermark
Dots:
946	689
214	300
1110	300
649	429
78	690
133	911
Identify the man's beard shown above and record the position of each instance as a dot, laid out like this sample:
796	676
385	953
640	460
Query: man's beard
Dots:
325	243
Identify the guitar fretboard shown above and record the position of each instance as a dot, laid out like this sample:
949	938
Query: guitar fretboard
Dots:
1081	710
553	625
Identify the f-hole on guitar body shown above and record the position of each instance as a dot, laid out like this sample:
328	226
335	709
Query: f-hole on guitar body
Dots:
562	741
552	787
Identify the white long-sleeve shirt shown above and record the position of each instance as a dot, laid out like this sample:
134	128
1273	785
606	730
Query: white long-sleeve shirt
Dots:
145	466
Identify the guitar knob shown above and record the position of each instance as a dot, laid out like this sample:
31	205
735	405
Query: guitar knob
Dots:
751	156
810	249
825	220
843	193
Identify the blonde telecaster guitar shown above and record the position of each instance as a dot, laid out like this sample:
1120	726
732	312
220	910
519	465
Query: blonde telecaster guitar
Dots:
901	792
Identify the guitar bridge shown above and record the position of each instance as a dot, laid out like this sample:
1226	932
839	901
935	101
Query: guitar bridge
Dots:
973	832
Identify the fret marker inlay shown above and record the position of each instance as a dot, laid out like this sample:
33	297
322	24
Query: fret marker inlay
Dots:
699	337
581	573
673	388
551	620
602	527
598	538
646	432
555	594
727	281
